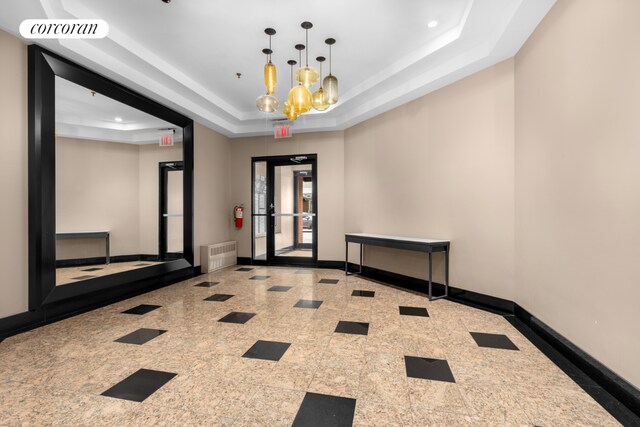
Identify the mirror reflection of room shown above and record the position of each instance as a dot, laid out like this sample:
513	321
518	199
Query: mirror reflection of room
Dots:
118	190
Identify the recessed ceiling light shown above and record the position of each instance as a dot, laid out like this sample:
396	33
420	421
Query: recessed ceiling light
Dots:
432	24
118	119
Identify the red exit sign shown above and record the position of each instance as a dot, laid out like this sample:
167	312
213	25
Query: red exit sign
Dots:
282	131
166	140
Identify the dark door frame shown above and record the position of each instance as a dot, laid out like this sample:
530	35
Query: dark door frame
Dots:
272	162
165	168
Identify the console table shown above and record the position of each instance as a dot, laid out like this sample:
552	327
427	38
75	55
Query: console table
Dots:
407	243
86	235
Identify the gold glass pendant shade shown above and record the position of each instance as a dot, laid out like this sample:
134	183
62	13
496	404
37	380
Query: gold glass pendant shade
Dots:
330	86
267	103
270	77
307	76
300	99
288	111
317	100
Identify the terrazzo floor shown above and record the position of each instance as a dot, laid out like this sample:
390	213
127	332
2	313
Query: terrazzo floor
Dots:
68	275
282	347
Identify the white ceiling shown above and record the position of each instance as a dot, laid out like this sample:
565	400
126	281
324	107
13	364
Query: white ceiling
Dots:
83	113
186	54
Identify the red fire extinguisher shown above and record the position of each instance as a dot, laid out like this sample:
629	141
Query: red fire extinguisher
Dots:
237	215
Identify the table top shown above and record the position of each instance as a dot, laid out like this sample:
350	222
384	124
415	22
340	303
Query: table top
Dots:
82	233
397	238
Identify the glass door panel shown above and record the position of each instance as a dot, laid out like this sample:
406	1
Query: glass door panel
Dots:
293	214
175	217
284	211
259	212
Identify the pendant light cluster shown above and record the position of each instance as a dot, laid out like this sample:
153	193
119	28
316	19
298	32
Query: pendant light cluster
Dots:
300	100
268	103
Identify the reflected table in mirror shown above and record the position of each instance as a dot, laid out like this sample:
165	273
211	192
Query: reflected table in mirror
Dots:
87	235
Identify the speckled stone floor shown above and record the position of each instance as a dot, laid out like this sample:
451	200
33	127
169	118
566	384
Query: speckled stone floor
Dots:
68	275
288	351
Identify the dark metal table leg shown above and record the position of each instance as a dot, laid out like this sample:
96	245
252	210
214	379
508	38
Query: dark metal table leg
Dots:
446	272
108	257
346	258
430	265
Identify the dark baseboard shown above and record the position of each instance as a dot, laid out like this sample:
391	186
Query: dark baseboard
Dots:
320	264
474	299
244	261
339	265
590	374
54	312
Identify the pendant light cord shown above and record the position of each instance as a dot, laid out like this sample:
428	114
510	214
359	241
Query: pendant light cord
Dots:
307	44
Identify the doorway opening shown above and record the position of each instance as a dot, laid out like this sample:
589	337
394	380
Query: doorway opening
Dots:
171	217
285	210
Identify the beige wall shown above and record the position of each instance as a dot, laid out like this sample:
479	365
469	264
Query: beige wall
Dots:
212	173
105	185
330	149
13	175
97	189
440	167
578	179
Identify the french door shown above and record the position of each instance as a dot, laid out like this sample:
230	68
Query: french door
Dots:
285	210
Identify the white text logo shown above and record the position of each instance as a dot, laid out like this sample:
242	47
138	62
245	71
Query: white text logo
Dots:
64	29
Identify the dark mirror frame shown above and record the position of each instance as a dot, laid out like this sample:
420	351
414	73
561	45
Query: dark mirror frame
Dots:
44	66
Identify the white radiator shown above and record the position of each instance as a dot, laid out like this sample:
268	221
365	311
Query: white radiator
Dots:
220	255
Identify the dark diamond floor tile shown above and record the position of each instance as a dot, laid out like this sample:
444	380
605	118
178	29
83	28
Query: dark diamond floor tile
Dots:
143	264
279	288
141	309
322	410
218	297
329	281
92	269
139	385
141	336
414	311
355	328
206	284
308	303
428	369
259	277
304	272
368	294
85	277
493	341
244	269
267	350
237	317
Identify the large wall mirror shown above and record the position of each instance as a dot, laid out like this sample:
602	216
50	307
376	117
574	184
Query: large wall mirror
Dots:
110	184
